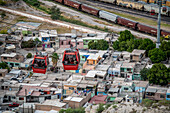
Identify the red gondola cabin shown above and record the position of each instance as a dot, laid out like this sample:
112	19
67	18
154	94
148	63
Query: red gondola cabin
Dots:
71	59
39	64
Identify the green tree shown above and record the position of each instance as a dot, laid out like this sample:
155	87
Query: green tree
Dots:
70	110
100	108
3	65
157	55
4	31
159	74
29	55
92	45
116	45
55	58
147	44
102	45
3	3
123	46
165	46
125	35
144	73
55	13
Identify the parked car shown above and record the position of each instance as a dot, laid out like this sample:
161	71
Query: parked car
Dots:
14	104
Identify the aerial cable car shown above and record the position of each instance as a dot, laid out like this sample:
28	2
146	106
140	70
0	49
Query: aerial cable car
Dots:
40	62
71	58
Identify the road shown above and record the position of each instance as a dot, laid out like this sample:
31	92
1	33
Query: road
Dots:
120	9
83	17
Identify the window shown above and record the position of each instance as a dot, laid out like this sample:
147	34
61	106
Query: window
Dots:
77	43
5	58
83	56
128	69
116	73
122	69
16	64
162	96
13	97
126	88
69	43
61	42
70	60
93	62
71	88
0	74
150	94
87	62
21	98
168	96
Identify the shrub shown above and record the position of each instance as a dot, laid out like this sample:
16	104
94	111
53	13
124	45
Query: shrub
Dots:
114	106
100	108
147	102
108	105
29	55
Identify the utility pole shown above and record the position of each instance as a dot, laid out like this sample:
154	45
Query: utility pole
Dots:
159	24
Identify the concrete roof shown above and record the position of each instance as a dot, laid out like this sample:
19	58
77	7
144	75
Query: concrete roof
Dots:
137	52
76	99
3	70
93	73
128	65
75	78
14	71
113	90
98	99
142	84
9	55
153	90
161	91
102	67
93	57
54	102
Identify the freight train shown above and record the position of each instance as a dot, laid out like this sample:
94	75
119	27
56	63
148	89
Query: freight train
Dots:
140	5
112	17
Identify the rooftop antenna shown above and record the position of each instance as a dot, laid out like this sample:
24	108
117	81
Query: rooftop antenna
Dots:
159	24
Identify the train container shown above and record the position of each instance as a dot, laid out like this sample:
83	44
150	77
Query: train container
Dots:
89	9
108	16
152	1
126	22
146	29
168	3
137	5
146	1
60	1
72	3
109	1
165	33
154	7
122	3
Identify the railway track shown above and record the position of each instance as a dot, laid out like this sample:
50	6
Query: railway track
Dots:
116	8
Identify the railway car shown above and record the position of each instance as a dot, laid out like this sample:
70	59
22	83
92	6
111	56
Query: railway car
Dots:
165	33
60	1
146	29
152	1
73	3
109	1
167	3
127	22
154	7
89	9
108	16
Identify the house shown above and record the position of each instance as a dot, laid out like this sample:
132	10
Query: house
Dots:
168	94
137	55
48	105
138	68
48	37
150	92
115	69
141	86
98	99
127	70
69	88
116	55
3	72
92	60
38	94
12	59
112	94
77	100
96	75
79	43
161	94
